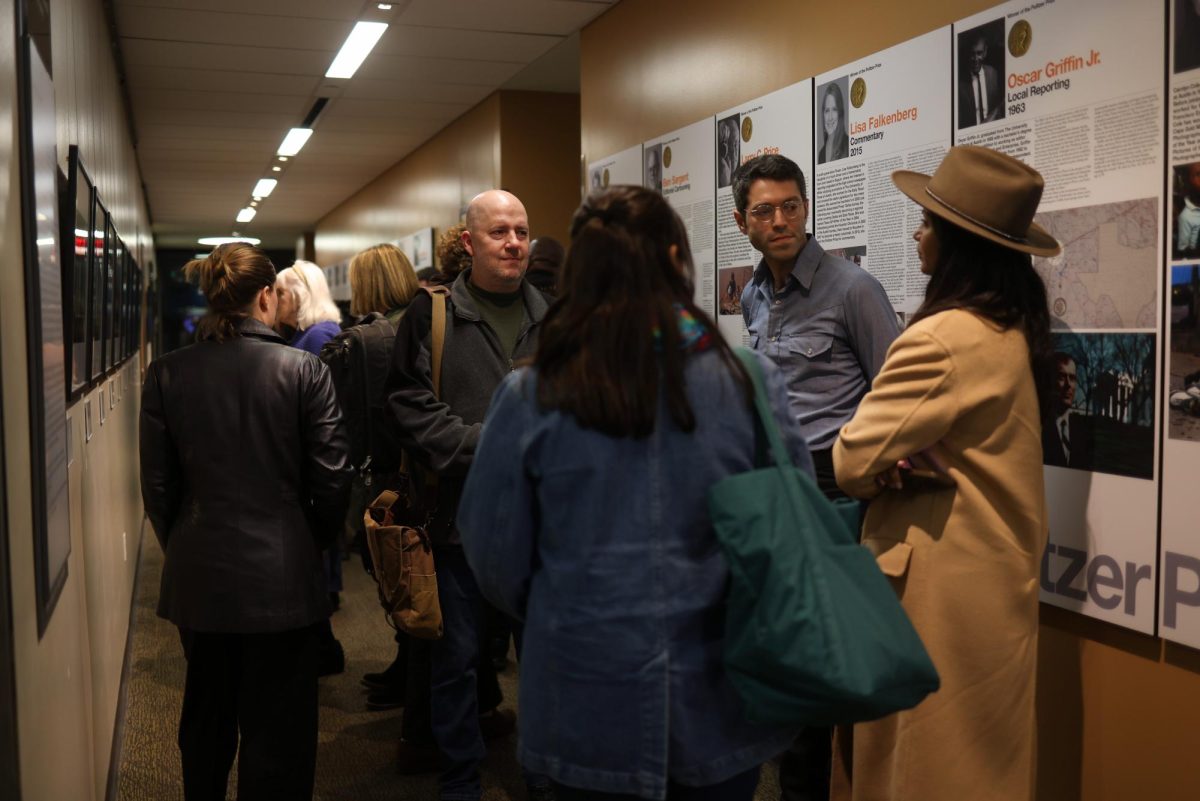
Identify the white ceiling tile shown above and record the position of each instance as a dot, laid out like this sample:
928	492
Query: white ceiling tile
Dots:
513	16
142	54
485	45
208	80
225	28
316	9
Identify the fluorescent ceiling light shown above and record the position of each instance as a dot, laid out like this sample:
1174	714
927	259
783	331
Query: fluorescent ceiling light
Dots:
356	49
384	6
276	169
246	214
264	187
213	241
294	140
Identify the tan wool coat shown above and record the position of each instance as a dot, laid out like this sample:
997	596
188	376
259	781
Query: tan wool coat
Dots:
964	561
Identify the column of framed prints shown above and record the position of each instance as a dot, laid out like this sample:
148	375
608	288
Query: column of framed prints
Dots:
1085	93
102	285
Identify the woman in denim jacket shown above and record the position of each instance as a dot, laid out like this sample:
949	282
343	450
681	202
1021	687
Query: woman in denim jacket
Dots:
585	515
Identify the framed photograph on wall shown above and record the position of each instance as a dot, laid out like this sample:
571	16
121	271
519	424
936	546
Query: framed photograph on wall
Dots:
45	346
118	303
110	276
96	290
76	246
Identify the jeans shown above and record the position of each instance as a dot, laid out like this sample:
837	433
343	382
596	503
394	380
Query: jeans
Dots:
740	788
454	664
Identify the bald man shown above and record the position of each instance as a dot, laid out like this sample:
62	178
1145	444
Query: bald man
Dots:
492	317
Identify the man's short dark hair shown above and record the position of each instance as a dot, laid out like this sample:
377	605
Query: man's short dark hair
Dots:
772	167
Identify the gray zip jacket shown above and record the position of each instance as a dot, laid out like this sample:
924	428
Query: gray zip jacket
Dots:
442	432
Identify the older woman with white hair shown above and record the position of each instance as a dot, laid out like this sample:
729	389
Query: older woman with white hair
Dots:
306	306
308	318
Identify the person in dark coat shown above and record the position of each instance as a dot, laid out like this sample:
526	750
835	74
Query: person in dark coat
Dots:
244	470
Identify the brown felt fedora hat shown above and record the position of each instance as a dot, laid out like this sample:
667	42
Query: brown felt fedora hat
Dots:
987	193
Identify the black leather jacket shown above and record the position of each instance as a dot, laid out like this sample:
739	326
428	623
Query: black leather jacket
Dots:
245	473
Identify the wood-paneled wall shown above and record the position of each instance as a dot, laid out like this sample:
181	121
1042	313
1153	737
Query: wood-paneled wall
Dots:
1118	711
68	682
527	142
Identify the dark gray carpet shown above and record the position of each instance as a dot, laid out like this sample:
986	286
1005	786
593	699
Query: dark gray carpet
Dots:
356	747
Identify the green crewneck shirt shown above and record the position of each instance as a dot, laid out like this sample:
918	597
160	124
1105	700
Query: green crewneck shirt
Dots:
503	312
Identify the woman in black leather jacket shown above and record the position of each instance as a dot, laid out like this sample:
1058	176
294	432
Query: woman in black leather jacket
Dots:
245	470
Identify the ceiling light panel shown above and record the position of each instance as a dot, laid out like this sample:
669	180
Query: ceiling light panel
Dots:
264	187
358	46
294	141
246	214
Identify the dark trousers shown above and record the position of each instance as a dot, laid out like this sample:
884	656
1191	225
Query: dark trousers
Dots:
804	768
740	788
262	687
417	726
454	664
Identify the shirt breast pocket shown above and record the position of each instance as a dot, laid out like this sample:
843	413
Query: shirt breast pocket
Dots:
815	349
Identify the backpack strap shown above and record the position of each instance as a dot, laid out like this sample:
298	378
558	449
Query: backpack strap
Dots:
438	345
356	333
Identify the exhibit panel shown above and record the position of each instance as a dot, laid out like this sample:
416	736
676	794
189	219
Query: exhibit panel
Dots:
1082	104
682	166
621	168
1179	589
886	112
780	122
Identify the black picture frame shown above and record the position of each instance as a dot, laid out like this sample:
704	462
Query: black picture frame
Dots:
96	292
76	247
118	302
110	274
126	332
135	309
44	343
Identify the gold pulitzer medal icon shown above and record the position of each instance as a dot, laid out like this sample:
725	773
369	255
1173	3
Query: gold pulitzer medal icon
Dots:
667	156
858	92
604	179
1020	38
747	129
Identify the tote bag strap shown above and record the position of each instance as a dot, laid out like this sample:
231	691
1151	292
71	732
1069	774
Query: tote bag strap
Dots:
839	519
766	417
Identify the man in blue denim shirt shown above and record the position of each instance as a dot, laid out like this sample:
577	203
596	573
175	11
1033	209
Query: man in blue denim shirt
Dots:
825	321
828	324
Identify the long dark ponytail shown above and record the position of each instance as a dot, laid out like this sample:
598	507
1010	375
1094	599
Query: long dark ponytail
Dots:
599	357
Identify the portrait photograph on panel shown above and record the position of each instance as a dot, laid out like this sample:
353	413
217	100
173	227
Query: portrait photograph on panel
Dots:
981	74
729	148
1101	412
833	141
1183	362
652	167
1187	35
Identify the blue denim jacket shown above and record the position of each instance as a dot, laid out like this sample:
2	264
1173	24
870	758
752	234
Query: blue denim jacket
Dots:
605	548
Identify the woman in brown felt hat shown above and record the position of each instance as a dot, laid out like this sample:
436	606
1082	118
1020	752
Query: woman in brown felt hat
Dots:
948	446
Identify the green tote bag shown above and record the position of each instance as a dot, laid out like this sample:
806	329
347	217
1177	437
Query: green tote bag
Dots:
814	633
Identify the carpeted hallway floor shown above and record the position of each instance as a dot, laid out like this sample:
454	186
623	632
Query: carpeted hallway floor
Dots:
356	747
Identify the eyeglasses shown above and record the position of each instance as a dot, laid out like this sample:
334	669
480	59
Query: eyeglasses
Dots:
765	212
